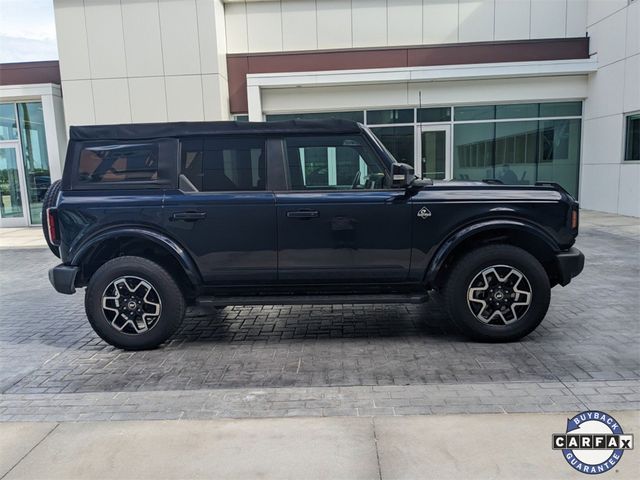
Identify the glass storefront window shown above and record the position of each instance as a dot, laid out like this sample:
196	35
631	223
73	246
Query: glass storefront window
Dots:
515	152
355	116
399	141
381	117
433	115
477	112
559	153
517	110
8	128
473	151
632	138
508	142
519	152
34	155
561	109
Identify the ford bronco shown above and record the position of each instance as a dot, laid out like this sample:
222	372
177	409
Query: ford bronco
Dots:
153	217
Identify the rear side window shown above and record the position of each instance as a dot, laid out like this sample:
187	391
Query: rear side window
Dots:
118	163
219	164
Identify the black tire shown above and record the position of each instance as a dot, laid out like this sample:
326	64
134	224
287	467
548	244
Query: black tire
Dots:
469	268
168	292
49	200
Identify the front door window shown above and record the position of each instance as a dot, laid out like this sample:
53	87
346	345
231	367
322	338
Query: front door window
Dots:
340	162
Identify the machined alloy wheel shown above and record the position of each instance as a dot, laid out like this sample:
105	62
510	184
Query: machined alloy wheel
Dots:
499	295
132	305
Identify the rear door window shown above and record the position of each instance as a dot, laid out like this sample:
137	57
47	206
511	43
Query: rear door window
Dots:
135	162
220	164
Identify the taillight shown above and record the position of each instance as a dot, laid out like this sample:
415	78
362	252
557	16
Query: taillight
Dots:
574	218
51	226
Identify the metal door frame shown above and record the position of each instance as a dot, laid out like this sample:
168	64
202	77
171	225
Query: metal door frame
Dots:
431	127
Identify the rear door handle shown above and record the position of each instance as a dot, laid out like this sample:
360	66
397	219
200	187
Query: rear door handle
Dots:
303	214
188	216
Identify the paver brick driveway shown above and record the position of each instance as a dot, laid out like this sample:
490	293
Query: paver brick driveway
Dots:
591	333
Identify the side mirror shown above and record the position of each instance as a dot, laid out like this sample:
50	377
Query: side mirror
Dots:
402	175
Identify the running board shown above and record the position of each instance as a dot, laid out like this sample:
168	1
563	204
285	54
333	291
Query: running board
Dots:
313	299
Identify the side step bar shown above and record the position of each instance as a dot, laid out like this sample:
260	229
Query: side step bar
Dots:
313	299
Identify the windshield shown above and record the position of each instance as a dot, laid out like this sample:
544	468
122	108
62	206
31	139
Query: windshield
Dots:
389	158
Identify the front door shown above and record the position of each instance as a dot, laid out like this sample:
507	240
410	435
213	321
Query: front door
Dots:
14	203
222	212
339	222
434	147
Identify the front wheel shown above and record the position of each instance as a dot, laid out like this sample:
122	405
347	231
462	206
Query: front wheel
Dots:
497	293
133	303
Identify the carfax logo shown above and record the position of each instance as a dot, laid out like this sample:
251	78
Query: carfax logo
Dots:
593	443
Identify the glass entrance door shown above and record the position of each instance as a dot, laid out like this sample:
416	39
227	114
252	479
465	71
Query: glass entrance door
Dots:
12	198
434	150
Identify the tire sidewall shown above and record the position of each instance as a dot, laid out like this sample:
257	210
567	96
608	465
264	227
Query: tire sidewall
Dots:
168	291
472	264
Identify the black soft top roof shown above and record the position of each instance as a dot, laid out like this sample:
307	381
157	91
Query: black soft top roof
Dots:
139	131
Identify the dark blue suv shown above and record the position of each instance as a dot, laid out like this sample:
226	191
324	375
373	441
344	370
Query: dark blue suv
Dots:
153	217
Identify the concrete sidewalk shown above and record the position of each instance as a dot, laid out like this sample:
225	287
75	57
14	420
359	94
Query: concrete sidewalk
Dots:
23	237
411	447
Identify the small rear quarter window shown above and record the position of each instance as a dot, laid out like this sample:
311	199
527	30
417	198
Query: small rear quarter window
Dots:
118	163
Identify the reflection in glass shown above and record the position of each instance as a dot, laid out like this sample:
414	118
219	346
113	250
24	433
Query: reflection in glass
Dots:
434	154
561	109
34	154
398	140
8	130
10	201
515	152
559	153
381	117
477	112
436	114
517	110
473	151
520	152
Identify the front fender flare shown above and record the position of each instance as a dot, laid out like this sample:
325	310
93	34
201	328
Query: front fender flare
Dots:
450	243
179	253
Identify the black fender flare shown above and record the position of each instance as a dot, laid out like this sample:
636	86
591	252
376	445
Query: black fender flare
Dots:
172	247
452	241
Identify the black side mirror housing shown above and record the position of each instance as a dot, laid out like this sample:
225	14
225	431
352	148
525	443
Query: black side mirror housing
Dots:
402	175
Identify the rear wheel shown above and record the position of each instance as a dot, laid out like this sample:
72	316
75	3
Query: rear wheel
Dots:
133	303
497	293
49	201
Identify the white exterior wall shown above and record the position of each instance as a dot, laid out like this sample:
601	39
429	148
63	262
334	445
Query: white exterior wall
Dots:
142	60
264	26
608	183
445	93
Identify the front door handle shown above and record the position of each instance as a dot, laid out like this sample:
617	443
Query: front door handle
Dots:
303	214
188	216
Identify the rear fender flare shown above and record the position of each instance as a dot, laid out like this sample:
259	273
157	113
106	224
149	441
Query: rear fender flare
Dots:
172	247
450	243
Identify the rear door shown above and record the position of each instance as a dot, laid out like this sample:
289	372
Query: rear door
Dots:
222	213
339	221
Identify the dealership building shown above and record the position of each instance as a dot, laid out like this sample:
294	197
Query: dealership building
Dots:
517	90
